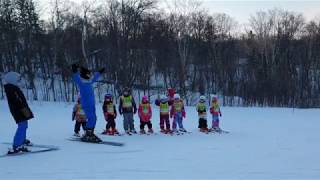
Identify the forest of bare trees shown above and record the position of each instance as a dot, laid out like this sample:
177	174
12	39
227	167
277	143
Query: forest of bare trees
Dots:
272	61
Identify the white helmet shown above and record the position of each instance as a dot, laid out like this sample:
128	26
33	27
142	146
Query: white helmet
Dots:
163	97
176	96
202	98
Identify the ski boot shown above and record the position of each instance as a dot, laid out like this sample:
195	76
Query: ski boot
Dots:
163	131
89	136
168	131
217	129
128	132
18	149
204	130
77	134
115	131
150	131
182	130
133	131
175	131
142	131
27	142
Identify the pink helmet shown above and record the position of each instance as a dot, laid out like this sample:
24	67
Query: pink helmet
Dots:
144	99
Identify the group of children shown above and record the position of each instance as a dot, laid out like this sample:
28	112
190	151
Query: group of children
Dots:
168	108
84	111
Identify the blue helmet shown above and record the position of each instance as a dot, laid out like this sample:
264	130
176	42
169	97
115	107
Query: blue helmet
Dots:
108	96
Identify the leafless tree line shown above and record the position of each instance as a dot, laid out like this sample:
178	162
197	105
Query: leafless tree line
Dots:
273	62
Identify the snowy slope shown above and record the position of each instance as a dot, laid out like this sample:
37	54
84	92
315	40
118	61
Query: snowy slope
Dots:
273	143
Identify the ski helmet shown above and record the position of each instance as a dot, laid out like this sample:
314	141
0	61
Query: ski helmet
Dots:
202	98
145	99
108	97
126	91
214	98
163	98
176	96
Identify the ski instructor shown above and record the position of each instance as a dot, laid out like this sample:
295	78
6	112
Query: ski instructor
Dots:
84	81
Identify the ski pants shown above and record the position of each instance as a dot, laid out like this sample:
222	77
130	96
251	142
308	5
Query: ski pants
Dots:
164	120
77	126
215	121
143	123
21	134
202	123
110	123
91	116
177	120
128	121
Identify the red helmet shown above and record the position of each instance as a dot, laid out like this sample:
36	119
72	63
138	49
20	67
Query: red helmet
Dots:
144	99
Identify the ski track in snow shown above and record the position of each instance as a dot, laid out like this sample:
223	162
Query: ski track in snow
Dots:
273	143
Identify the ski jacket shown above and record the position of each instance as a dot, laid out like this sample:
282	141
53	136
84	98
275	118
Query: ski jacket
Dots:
127	105
202	110
215	109
164	107
86	89
78	113
145	112
17	103
109	110
177	107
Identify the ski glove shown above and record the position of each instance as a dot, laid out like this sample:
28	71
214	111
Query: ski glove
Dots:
183	114
75	68
101	70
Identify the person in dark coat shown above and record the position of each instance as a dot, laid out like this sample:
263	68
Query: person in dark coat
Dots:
19	109
128	108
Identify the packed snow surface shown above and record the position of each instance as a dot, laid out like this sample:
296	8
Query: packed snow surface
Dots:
274	143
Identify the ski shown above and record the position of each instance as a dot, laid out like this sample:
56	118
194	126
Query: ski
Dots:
30	152
111	143
148	134
36	145
219	131
118	134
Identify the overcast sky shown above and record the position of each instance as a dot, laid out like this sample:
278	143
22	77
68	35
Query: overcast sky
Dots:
241	10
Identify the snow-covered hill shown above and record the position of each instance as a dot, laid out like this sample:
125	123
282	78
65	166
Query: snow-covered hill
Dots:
274	143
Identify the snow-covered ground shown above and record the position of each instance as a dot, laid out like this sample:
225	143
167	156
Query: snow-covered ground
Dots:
275	143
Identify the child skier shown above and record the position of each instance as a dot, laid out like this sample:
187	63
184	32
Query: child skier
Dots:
110	114
164	105
85	84
145	114
128	107
80	117
202	113
178	113
215	111
19	109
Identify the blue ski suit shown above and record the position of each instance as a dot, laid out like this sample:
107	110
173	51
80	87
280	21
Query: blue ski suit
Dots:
87	99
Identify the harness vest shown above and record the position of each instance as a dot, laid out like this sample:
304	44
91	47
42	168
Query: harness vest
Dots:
178	106
164	108
126	101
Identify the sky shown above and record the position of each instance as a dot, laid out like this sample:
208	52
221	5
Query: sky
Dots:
241	10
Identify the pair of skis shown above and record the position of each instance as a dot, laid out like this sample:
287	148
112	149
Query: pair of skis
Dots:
36	148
